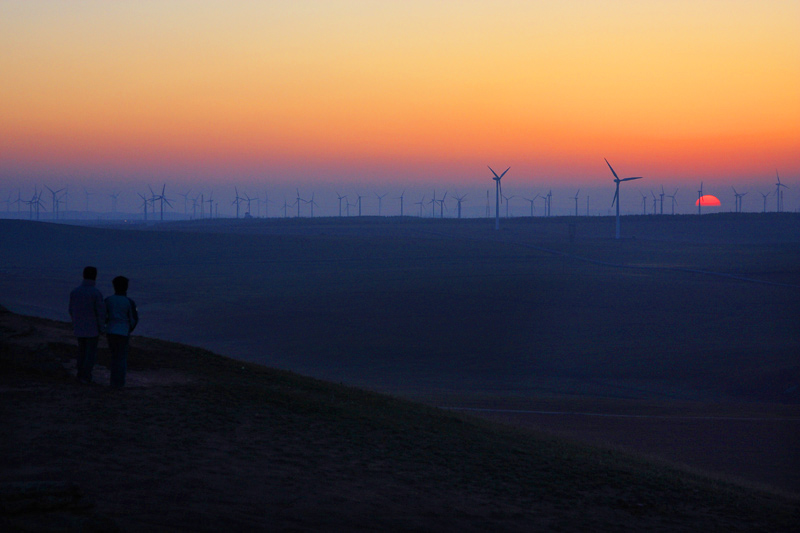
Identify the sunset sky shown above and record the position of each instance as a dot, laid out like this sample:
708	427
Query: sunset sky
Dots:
398	93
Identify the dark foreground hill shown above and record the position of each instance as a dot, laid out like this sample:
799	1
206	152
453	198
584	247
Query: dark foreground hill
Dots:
201	442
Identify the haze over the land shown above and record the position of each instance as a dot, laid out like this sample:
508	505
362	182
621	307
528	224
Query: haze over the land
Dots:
368	98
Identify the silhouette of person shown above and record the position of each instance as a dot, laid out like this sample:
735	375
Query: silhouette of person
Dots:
121	319
88	313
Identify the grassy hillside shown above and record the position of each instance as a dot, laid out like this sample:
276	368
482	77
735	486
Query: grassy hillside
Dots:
201	442
416	305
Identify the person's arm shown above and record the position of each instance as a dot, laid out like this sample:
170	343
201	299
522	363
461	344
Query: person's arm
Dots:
134	315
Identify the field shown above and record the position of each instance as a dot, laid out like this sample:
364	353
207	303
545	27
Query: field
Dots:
685	329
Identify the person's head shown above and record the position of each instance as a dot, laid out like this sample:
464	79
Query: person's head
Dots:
90	273
120	284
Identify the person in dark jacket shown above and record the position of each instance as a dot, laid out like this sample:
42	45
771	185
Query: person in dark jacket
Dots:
88	314
121	319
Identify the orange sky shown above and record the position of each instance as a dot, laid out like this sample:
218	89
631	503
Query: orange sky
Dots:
675	90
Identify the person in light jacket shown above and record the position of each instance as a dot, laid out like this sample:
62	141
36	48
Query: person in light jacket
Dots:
121	319
88	314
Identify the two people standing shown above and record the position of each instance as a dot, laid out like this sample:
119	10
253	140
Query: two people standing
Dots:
116	316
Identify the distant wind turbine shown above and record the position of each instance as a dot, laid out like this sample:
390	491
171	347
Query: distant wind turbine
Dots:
765	199
460	199
700	199
617	181
738	200
674	201
380	202
401	201
779	192
576	202
498	192
531	200
340	197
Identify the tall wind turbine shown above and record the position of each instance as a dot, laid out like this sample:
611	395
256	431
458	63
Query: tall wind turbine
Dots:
765	199
617	181
644	203
380	201
498	192
700	199
655	201
531	200
441	205
779	192
460	199
738	200
576	201
421	205
340	197
237	200
56	201
674	201
145	201
401	201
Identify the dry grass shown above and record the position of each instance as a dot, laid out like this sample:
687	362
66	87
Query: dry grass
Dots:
237	446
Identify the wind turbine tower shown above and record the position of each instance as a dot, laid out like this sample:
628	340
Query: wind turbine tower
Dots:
340	197
617	181
765	199
576	201
674	201
460	199
700	199
779	192
380	202
498	192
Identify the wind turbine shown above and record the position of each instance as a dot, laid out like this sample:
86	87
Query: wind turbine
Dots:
765	199
340	197
700	199
674	201
549	201
211	205
662	199
655	201
508	202
460	199
498	192
312	203
531	200
380	202
144	205
162	198
359	203
401	201
576	201
297	202
779	192
644	203
617	181
185	201
738	200
249	202
441	205
55	201
236	200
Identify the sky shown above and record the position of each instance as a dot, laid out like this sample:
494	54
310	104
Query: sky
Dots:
400	95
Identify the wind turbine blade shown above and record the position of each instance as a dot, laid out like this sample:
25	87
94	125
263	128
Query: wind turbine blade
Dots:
616	193
629	179
612	169
504	172
493	172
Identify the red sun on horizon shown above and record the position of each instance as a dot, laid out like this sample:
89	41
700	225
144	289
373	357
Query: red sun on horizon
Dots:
708	200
